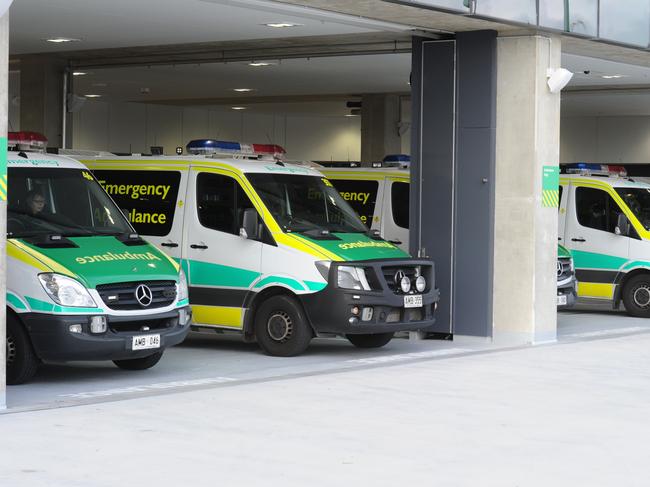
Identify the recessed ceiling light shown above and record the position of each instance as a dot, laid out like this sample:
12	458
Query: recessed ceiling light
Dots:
79	73
243	90
238	108
260	63
93	96
280	25
351	115
59	40
100	85
612	76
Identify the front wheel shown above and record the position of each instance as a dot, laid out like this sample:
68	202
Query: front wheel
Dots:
21	359
281	327
139	363
374	340
636	296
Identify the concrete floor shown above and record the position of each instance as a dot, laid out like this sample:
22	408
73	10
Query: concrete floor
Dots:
207	361
573	413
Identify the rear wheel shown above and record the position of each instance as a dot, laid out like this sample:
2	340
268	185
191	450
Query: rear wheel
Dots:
139	363
21	359
374	340
281	327
636	296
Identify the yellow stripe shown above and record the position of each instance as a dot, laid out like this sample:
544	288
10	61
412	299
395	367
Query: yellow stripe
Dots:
3	184
595	290
295	242
24	257
218	315
52	264
172	261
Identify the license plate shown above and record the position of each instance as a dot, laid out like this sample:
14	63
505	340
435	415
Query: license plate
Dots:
414	301
561	300
144	342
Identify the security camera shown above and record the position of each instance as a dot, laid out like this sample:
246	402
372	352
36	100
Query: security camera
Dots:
558	79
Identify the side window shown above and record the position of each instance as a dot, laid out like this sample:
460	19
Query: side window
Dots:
559	200
596	209
221	202
360	195
400	202
147	198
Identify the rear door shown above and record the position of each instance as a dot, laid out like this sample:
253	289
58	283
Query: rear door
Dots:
364	196
598	253
153	201
222	265
395	221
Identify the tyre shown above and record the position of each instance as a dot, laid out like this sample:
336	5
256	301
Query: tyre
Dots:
139	363
281	327
374	340
636	296
21	359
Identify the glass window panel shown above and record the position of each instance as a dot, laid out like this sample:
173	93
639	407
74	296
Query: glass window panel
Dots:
524	11
448	4
627	21
582	17
551	14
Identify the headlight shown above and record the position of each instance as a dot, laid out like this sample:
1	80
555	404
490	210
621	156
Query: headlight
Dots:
182	286
66	291
420	284
352	278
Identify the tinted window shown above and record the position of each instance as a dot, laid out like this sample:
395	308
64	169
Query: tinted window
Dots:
148	198
551	13
360	195
400	202
524	11
596	209
582	17
221	202
559	200
625	21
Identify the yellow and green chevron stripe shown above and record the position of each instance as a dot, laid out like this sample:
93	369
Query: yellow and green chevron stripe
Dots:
3	169
551	186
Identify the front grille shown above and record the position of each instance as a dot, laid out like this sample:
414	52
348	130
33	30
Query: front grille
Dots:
564	271
389	276
143	326
121	296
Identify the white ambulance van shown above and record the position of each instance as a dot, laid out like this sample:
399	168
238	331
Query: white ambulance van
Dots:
605	222
81	284
271	250
380	194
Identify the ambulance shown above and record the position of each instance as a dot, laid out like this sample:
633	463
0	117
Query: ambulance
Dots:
380	194
81	283
605	223
270	249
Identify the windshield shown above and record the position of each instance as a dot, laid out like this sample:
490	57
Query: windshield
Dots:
637	200
67	202
303	203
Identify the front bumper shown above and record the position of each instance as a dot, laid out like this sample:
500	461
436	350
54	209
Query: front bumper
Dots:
53	340
330	310
568	290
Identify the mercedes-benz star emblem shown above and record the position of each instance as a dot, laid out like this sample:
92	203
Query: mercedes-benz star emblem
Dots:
559	268
399	275
144	295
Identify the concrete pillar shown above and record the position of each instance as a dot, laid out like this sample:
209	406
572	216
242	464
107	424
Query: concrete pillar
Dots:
4	89
380	118
527	140
41	97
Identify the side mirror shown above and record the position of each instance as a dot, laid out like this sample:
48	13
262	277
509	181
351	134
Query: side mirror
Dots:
622	225
250	227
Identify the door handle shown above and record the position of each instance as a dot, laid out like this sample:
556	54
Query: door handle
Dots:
195	246
169	244
396	242
578	239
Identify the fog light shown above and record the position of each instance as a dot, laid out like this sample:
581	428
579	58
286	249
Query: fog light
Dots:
420	284
98	324
366	314
75	328
183	317
405	284
353	321
355	310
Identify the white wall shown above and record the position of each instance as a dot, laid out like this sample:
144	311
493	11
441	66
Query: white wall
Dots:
615	140
133	127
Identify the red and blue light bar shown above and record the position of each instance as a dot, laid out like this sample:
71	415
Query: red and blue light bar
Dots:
211	146
587	168
32	141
